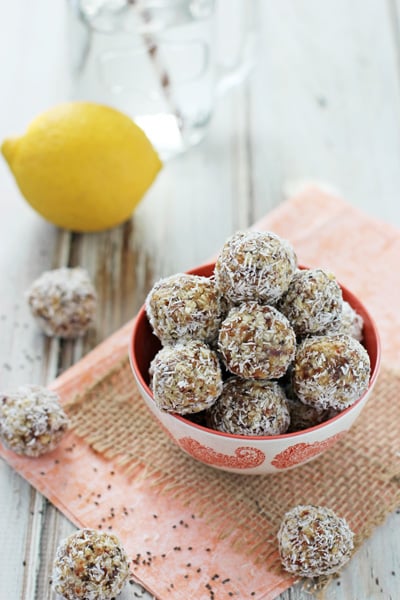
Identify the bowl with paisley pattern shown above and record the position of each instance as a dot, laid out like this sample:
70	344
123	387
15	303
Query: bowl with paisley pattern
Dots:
242	453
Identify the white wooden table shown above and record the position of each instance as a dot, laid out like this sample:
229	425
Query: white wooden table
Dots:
323	103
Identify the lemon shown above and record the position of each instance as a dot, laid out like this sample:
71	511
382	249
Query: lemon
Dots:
83	166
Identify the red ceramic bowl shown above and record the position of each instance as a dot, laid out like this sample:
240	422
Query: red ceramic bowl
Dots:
248	454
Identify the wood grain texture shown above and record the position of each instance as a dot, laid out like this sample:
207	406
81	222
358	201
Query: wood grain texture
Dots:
325	100
322	103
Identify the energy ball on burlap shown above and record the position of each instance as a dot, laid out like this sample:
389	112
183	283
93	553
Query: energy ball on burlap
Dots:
32	421
351	323
90	565
255	265
186	378
256	341
314	541
184	307
312	302
248	407
330	371
303	416
63	302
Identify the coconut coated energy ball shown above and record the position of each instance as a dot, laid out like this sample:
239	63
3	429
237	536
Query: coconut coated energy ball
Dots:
184	307
186	378
303	416
63	302
330	371
313	301
256	341
255	265
248	407
90	565
314	541
351	323
32	421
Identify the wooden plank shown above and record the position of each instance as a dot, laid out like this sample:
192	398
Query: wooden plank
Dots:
325	102
29	246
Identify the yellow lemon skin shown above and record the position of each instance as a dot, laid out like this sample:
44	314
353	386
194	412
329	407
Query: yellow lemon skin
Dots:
83	166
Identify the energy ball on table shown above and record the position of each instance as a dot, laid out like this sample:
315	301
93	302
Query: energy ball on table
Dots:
351	323
248	407
63	302
32	421
255	265
303	416
312	302
330	371
314	541
184	307
90	565
256	341
186	378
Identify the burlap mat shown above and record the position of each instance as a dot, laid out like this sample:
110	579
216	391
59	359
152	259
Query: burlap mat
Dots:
359	477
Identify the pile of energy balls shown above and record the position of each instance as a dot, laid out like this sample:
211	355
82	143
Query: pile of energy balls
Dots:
261	348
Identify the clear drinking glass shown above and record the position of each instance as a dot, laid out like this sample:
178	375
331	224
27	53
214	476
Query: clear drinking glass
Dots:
159	61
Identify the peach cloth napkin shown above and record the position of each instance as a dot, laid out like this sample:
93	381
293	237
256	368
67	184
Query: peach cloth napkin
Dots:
91	490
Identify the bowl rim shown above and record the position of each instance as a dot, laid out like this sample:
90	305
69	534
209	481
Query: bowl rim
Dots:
296	434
